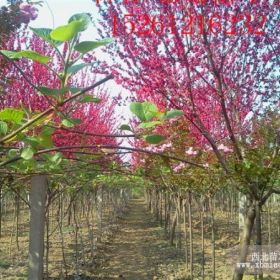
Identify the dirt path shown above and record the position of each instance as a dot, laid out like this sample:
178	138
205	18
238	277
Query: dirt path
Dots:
136	252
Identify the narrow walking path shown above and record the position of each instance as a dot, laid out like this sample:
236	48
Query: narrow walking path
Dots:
138	250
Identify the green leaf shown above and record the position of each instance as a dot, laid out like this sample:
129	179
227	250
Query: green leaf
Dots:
154	139
74	90
137	109
150	110
3	128
67	32
173	114
149	124
76	121
76	68
52	91
45	137
87	46
12	115
56	158
45	34
12	153
32	141
27	54
145	111
47	131
89	98
125	127
247	164
27	153
67	123
84	18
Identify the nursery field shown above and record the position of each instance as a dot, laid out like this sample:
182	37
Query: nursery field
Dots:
134	244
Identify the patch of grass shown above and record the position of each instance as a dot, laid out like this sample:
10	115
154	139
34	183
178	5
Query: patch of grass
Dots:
67	229
138	192
22	274
4	264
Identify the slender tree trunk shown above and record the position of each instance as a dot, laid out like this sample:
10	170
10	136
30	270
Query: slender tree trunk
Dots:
259	235
149	200
157	205
245	241
76	238
47	241
165	211
231	206
38	196
169	214
173	227
179	201
185	233
211	207
190	233
60	226
161	208
69	216
278	221
269	208
202	240
99	198
1	187
12	232
17	205
242	213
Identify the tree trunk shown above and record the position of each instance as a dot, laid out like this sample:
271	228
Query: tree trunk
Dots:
38	196
242	213
190	234
245	241
169	213
47	239
269	207
202	240
185	234
165	211
161	208
211	207
99	198
60	226
173	227
157	205
17	205
179	201
259	235
1	186
77	266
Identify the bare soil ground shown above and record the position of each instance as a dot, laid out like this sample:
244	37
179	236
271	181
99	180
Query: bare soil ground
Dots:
138	251
133	248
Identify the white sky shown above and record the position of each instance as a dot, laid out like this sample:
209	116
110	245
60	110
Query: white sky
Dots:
59	11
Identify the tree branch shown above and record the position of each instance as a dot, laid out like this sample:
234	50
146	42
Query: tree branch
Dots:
55	149
52	109
93	134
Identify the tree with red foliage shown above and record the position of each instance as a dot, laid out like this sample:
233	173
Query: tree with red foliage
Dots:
12	18
217	62
22	93
50	97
